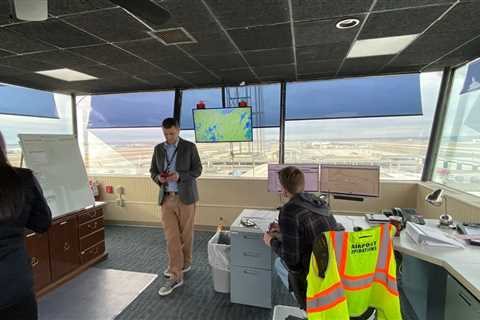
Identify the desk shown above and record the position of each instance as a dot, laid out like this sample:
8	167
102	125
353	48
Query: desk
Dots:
426	270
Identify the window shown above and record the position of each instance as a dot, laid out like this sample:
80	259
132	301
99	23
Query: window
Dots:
212	98
117	133
458	162
53	116
245	159
397	144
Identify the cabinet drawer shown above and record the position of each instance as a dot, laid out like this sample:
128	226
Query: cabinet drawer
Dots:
249	250
251	286
92	239
89	215
90	227
64	253
93	252
460	304
38	250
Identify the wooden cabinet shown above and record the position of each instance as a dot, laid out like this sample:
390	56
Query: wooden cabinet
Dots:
73	243
39	251
64	252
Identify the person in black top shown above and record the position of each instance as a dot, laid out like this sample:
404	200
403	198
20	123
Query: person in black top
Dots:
301	220
21	205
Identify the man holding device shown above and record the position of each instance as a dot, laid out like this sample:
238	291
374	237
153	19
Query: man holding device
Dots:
175	167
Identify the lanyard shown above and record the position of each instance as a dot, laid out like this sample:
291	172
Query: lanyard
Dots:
169	161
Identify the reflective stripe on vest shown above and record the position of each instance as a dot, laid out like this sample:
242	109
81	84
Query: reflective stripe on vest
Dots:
326	299
381	276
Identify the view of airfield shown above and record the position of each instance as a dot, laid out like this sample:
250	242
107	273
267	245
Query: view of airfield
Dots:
397	144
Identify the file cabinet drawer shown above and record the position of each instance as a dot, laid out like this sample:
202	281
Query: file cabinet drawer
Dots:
251	286
460	304
249	250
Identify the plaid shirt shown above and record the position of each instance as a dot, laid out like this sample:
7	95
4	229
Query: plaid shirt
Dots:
301	221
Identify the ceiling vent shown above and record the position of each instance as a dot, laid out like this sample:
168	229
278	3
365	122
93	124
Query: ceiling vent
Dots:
173	36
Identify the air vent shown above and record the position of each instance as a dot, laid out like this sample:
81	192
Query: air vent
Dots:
173	36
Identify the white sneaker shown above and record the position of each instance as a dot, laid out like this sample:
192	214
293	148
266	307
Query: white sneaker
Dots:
168	274
169	286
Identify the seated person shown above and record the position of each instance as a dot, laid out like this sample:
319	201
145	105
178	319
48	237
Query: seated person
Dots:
300	221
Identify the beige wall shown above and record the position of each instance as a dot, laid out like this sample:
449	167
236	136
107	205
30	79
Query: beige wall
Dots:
227	197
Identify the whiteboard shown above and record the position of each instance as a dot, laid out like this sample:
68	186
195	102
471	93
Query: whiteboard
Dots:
58	165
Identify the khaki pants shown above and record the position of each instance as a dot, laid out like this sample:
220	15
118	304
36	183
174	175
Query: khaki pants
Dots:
178	225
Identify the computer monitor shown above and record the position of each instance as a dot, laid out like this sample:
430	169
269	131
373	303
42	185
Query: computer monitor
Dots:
361	181
310	171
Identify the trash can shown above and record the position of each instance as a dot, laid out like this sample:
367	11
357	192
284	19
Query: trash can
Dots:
219	259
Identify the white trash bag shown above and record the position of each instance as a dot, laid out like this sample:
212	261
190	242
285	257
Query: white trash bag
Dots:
219	251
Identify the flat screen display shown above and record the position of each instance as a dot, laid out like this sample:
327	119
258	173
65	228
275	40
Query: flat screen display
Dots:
310	171
223	124
350	180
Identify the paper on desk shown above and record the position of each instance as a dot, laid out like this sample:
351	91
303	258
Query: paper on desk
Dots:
430	236
263	218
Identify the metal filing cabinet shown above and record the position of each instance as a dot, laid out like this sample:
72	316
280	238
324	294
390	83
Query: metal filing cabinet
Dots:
459	303
251	266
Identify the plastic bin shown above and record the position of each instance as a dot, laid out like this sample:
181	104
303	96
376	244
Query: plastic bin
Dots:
219	259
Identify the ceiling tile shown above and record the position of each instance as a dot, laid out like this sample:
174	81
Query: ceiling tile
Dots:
243	13
150	49
287	70
4	53
209	44
269	57
113	25
25	63
18	43
264	37
395	4
55	32
5	12
323	52
107	54
139	68
464	16
190	14
101	72
402	69
321	9
316	67
200	78
322	32
236	75
180	63
229	61
400	22
62	7
165	81
465	53
61	58
364	65
9	71
317	76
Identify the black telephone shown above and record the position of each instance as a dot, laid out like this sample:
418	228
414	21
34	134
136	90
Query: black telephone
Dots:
408	214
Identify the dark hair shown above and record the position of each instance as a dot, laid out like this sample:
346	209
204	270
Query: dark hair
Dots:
292	179
170	123
11	193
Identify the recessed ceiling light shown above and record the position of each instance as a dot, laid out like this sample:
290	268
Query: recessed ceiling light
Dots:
66	74
348	23
380	46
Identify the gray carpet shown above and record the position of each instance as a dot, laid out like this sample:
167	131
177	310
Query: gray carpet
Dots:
143	250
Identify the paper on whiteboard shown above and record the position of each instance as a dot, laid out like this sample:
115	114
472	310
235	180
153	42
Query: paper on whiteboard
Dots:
38	158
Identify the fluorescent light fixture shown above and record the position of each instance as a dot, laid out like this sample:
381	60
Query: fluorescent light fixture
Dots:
66	74
380	46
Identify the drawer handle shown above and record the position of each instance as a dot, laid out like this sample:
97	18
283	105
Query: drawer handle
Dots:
251	254
35	262
253	273
467	301
92	226
63	223
95	251
66	246
31	235
92	214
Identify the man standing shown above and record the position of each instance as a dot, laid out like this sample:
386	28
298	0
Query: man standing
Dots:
175	167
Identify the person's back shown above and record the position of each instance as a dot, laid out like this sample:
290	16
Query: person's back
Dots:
22	205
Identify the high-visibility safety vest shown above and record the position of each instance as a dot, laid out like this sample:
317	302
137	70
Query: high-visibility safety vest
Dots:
361	273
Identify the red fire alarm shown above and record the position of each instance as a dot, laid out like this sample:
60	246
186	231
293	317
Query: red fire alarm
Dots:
108	189
200	105
243	104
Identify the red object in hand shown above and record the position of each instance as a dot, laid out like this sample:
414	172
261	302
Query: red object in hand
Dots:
108	189
200	105
243	104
